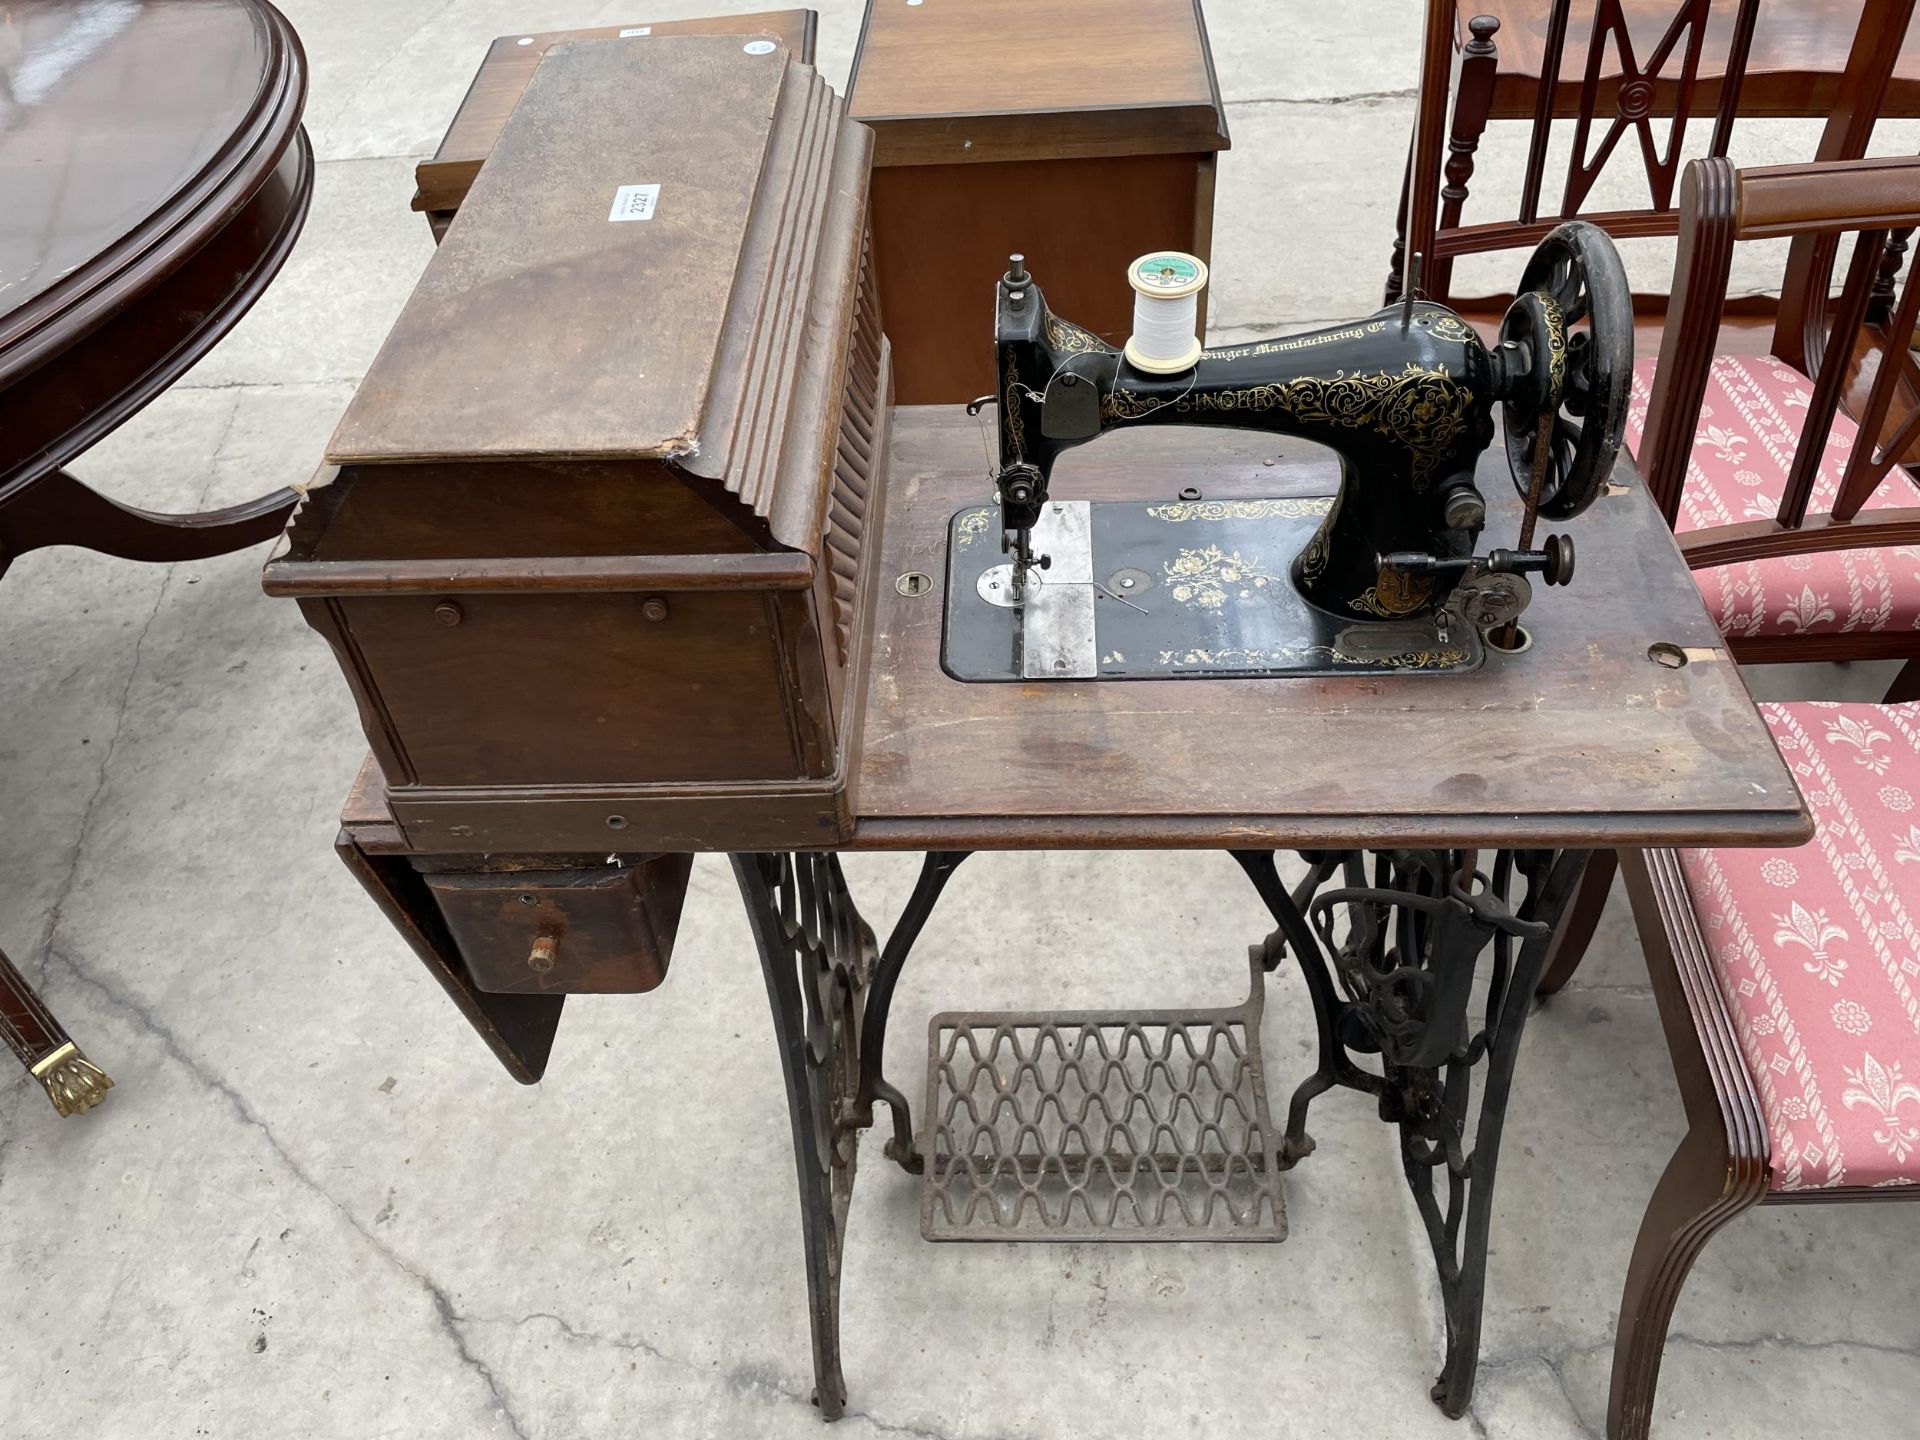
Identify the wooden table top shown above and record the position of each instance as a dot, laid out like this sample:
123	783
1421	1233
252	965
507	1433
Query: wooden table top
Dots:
1582	740
109	122
152	180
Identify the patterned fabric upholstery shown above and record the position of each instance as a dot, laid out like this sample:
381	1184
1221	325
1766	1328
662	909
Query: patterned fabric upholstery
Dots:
1818	950
1743	447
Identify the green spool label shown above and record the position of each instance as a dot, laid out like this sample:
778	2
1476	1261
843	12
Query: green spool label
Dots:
1167	272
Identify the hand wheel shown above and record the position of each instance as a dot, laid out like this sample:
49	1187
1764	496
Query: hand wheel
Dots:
1566	358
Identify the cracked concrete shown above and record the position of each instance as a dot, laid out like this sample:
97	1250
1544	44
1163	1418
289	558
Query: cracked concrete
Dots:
314	1206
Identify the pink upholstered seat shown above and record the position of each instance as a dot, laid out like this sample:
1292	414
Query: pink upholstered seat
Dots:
1743	447
1818	950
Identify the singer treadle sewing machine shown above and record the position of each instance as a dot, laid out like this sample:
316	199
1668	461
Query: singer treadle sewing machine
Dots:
1383	576
626	553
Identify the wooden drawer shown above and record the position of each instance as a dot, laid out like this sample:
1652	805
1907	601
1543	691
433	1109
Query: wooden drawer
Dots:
566	932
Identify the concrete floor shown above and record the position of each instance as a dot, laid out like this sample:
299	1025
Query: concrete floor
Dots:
315	1207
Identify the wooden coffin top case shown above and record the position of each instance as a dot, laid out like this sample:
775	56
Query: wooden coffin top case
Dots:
501	80
615	292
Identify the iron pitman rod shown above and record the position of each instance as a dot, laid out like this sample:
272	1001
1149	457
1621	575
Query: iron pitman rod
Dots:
1389	944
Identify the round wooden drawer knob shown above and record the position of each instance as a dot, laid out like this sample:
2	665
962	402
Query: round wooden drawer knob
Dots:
545	951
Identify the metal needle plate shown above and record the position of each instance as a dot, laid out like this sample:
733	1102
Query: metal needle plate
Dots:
1057	627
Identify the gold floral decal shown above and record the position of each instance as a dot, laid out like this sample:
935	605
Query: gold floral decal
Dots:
1313	560
1408	659
1010	406
1301	342
1393	593
1422	408
1290	509
970	528
1207	577
1556	348
1126	405
1448	326
1234	656
1065	335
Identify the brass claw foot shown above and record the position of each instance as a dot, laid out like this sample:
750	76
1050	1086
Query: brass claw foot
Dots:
73	1083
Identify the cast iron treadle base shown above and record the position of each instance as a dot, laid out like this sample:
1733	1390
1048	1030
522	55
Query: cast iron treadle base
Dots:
1087	1125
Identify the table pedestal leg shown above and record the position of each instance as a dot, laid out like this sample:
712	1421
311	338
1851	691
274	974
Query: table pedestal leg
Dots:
1396	980
1433	1132
72	1082
817	955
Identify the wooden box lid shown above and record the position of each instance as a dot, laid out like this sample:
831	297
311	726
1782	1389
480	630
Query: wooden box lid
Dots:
511	60
957	81
702	320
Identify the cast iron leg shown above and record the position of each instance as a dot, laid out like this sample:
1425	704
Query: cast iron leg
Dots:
72	1082
935	871
816	954
1430	1145
1391	967
1334	1066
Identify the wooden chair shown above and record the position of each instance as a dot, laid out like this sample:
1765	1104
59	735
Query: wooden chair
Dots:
1639	62
1799	533
1787	1015
1735	59
1794	57
1788	982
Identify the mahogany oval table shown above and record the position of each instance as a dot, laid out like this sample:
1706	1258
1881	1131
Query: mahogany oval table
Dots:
155	177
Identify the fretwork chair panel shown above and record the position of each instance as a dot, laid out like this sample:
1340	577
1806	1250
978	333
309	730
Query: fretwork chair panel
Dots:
1616	95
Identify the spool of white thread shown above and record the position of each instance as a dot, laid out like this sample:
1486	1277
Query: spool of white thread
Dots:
1166	311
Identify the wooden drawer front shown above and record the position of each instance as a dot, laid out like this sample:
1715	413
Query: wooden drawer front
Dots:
577	689
566	932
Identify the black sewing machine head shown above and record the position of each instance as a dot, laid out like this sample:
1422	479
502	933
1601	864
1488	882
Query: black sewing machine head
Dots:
1384	575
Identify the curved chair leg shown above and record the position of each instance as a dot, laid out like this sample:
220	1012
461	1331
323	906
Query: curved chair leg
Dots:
73	1083
58	509
1722	1165
1906	685
1700	1191
1578	924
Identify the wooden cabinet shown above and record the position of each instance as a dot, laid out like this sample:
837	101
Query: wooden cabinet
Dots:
1081	136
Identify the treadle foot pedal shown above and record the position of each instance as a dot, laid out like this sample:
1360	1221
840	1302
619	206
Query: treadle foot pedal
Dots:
1100	1126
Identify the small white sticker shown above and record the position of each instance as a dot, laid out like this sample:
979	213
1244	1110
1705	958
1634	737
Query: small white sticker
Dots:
524	40
634	202
759	47
636	30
